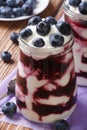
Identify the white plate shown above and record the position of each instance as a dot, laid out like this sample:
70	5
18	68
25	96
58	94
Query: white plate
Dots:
41	6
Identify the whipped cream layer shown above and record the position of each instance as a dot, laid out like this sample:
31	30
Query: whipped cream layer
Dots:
47	49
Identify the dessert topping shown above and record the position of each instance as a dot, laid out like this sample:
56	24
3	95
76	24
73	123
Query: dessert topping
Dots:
64	28
25	33
43	28
34	20
50	20
39	42
74	2
56	40
83	8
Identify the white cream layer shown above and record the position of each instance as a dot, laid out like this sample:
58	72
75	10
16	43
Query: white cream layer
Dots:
47	49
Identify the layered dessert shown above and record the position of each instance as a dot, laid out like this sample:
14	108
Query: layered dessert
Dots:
46	80
76	15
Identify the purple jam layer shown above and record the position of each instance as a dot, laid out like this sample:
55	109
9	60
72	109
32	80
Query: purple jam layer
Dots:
22	84
20	103
51	68
81	41
48	67
77	24
45	110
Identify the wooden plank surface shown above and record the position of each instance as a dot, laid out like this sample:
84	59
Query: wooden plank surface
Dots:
6	28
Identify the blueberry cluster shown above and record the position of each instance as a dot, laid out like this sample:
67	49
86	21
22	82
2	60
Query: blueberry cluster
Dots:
43	27
82	5
16	8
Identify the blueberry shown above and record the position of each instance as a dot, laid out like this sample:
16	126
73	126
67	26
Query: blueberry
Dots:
4	2
11	3
17	12
25	33
19	3
84	23
39	42
6	12
43	28
27	9
34	20
62	125
50	20
6	56
1	2
64	28
74	2
16	8
83	8
1	7
31	3
14	37
24	1
9	109
56	40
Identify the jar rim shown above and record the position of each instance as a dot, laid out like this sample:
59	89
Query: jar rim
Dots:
51	51
73	14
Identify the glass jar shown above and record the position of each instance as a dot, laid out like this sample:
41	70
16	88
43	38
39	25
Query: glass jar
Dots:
78	23
46	82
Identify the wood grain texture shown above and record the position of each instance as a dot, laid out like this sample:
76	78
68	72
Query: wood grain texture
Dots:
6	28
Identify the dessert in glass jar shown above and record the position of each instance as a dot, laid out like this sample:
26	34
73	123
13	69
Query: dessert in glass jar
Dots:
76	14
46	81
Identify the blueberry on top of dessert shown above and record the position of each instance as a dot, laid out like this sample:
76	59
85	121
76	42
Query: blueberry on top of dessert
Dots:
46	32
39	42
80	5
56	40
34	20
74	2
25	33
43	28
64	28
50	20
83	8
